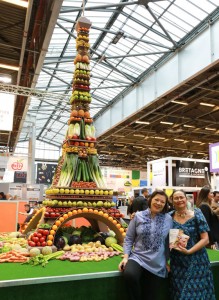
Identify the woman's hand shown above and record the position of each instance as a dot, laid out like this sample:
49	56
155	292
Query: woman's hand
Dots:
123	264
183	250
132	216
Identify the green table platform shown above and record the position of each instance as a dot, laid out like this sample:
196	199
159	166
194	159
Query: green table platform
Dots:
74	280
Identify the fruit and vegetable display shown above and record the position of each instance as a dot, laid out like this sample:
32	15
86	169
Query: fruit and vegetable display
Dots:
78	190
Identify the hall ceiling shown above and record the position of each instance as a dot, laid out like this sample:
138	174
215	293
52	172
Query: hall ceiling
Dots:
128	39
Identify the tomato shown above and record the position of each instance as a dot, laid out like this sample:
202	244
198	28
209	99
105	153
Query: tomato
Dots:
38	244
39	235
43	244
45	232
31	244
42	239
40	231
35	234
35	239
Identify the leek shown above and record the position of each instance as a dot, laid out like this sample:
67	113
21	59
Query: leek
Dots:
93	131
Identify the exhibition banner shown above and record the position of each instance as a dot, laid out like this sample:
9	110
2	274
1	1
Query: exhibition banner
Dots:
159	173
45	173
6	111
214	157
192	173
17	164
117	179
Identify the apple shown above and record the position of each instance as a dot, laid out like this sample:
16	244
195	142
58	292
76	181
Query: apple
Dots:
101	192
86	192
81	191
100	203
72	191
61	191
106	193
97	192
77	192
91	192
111	193
67	191
74	137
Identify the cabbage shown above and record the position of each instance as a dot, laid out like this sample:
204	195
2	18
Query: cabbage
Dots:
14	234
110	240
46	250
34	252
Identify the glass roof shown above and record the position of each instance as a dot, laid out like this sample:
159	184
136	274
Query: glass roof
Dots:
126	40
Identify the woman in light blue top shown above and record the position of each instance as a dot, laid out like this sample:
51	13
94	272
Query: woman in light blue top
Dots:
146	248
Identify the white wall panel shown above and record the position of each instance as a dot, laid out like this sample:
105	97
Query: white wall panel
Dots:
215	41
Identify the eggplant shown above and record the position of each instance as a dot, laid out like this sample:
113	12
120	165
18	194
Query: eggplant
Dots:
74	239
99	238
60	242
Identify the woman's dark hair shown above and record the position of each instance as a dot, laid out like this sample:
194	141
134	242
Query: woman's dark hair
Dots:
203	196
162	193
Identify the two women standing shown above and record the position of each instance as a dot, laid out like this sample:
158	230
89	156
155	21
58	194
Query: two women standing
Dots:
146	251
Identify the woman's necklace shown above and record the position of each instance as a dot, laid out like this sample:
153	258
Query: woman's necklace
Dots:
181	214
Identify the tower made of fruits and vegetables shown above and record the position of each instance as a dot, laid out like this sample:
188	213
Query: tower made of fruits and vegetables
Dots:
78	188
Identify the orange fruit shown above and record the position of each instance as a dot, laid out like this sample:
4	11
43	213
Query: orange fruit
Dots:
110	219
57	223
114	221
65	216
95	211
79	211
85	209
124	234
121	230
69	213
54	227
52	232
50	237
90	210
49	243
100	213
74	211
118	225
61	219
105	215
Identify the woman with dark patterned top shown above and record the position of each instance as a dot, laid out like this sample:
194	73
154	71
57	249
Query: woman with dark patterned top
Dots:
146	248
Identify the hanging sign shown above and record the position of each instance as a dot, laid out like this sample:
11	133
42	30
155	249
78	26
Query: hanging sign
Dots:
6	111
17	164
214	157
20	177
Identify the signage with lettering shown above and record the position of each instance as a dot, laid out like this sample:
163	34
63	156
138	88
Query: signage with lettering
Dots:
17	164
214	157
192	173
20	177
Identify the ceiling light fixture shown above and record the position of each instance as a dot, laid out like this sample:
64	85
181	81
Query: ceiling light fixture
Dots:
179	140
208	128
117	37
5	78
142	122
140	135
9	67
207	104
197	142
179	102
201	153
159	137
167	123
119	145
17	2
189	126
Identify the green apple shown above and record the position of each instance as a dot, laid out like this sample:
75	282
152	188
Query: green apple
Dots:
79	203
100	203
74	203
65	203
60	203
69	203
85	204
105	204
94	204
